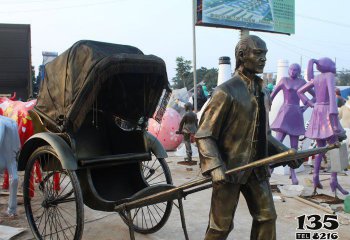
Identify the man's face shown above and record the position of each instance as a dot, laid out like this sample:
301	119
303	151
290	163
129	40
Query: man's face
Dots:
255	57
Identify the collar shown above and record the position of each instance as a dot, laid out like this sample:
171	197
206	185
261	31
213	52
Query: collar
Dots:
256	80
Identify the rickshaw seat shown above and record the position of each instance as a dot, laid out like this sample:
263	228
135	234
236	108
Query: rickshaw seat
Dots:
114	159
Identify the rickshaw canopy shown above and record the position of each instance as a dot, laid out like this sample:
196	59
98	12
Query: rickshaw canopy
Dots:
74	79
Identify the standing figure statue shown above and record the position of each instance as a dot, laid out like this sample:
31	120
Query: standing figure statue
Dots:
290	120
233	131
188	127
9	147
324	123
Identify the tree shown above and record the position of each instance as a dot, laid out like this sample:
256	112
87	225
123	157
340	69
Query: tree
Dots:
343	78
184	75
183	72
33	80
211	78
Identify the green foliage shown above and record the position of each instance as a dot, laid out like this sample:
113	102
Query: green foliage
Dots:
184	75
183	72
211	78
33	79
343	78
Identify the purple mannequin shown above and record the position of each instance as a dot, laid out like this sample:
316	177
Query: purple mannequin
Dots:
324	123
290	119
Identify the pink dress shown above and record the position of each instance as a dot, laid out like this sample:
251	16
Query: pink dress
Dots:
290	118
320	126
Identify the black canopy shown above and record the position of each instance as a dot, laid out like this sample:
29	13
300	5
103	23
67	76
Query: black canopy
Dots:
74	79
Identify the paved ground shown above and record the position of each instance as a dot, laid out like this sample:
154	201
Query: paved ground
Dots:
108	226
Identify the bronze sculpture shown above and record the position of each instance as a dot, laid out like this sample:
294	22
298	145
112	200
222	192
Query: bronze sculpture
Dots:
233	132
188	127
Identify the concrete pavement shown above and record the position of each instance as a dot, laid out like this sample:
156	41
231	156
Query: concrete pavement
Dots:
108	226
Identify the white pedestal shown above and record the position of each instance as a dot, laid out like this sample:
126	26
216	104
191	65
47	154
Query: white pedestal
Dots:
285	170
181	150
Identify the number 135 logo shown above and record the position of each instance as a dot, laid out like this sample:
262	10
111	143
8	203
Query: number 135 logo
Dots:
317	222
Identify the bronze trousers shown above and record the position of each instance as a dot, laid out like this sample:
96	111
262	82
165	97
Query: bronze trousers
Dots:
187	140
260	203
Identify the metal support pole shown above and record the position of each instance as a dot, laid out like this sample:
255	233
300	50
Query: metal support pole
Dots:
194	6
183	221
244	33
130	225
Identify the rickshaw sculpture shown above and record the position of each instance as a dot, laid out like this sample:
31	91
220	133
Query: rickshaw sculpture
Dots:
92	146
90	126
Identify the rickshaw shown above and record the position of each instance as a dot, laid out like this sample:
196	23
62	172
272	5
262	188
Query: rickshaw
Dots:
91	144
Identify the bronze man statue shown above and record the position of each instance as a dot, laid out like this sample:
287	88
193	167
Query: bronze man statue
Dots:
188	127
234	131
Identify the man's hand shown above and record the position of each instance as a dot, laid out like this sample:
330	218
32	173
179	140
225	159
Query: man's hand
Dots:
218	175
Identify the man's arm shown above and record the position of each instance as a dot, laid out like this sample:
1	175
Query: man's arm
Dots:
181	125
208	132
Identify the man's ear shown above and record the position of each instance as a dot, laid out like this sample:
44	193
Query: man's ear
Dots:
241	54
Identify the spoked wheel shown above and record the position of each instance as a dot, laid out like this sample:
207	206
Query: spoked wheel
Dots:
156	172
151	218
54	206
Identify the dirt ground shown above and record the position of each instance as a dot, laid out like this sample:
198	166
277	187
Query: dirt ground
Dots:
108	225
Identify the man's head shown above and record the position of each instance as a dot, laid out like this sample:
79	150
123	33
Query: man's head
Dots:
188	106
250	54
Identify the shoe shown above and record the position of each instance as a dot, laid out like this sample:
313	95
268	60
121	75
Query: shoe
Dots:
335	185
295	181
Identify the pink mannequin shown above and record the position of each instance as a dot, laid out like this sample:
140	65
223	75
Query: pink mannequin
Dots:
289	120
324	123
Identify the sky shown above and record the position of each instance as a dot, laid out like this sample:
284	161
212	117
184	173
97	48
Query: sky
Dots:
164	28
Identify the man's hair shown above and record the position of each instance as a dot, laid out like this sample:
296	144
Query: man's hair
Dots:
188	106
244	45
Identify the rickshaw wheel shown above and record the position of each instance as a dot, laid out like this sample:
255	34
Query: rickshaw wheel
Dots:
54	205
151	218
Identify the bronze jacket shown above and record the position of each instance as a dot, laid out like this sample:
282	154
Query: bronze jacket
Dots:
226	130
189	123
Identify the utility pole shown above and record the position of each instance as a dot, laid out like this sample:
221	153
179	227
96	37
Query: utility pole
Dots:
194	6
244	33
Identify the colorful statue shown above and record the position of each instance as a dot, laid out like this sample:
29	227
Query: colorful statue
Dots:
17	111
9	147
324	123
340	100
290	120
344	115
233	131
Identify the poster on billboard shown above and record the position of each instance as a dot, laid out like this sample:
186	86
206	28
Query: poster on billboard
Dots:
260	15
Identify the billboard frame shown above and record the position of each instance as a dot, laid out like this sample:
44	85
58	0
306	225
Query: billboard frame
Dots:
199	22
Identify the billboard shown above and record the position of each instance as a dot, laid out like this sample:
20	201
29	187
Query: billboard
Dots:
260	15
15	60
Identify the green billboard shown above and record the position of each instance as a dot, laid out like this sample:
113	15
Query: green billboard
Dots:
259	15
